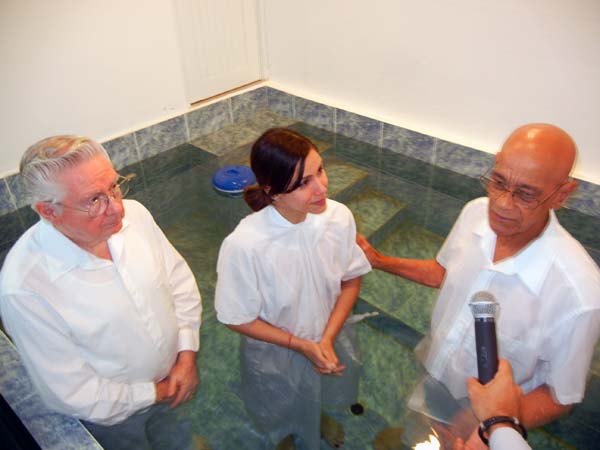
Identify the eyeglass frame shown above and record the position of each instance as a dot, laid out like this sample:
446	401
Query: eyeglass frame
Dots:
485	181
115	192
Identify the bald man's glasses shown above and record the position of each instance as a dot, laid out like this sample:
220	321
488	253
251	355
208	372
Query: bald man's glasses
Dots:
98	204
496	188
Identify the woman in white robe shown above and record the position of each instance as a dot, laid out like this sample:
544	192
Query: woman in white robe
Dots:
288	277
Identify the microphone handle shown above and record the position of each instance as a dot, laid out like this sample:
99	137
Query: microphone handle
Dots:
487	349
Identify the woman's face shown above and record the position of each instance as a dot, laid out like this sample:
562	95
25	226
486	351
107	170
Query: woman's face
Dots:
310	196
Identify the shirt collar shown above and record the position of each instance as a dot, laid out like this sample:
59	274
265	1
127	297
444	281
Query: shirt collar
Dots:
310	228
63	255
532	263
277	219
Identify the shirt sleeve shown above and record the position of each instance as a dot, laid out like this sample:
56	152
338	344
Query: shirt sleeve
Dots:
186	295
358	263
569	349
507	438
64	380
444	254
237	296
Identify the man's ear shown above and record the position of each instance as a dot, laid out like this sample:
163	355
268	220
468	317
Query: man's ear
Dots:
563	193
48	211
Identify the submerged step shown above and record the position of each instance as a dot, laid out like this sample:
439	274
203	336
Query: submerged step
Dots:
376	213
388	325
345	180
222	142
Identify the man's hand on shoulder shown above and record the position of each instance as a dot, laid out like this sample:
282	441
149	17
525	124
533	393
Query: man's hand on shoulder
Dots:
371	254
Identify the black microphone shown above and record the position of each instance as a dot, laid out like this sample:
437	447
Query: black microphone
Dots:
483	306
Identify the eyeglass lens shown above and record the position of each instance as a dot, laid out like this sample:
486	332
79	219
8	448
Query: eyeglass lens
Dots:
120	190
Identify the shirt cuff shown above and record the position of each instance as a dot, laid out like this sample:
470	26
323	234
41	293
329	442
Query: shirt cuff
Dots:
188	340
507	437
144	395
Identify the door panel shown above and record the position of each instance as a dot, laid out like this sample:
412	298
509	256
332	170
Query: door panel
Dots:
220	45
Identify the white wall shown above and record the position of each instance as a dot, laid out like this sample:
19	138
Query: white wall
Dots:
97	68
468	71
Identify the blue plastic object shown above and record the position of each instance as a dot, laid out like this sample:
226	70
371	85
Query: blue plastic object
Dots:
231	180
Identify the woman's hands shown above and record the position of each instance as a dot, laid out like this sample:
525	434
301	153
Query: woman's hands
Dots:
321	354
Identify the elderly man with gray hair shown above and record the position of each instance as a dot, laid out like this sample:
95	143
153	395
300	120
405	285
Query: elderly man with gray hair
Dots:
104	311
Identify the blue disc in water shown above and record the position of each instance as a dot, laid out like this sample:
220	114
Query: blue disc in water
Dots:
231	180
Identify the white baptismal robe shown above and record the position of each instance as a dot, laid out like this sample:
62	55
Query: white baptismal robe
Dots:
290	275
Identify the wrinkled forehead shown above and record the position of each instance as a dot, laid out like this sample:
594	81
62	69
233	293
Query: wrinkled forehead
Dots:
90	177
525	169
515	179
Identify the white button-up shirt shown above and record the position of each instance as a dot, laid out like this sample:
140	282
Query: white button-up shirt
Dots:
549	296
96	334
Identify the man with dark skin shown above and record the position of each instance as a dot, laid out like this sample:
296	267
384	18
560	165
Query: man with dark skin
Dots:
516	243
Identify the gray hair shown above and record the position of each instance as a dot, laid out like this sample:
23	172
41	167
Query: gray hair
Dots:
44	160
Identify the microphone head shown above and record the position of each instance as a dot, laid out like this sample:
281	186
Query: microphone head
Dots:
483	305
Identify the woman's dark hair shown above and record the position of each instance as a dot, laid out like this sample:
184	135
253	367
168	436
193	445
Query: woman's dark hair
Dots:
274	158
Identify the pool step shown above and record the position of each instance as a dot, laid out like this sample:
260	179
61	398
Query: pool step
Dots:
376	213
383	220
345	180
221	143
388	325
231	141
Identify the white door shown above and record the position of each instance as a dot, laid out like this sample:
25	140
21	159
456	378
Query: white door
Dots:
220	45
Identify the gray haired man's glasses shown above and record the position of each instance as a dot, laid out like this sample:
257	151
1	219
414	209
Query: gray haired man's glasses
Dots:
527	200
97	205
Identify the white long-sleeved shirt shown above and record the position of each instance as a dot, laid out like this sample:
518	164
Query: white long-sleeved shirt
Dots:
507	438
95	335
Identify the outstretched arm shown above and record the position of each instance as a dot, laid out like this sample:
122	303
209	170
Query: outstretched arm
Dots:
424	271
539	408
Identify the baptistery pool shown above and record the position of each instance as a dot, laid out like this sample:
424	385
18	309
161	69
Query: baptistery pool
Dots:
405	206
